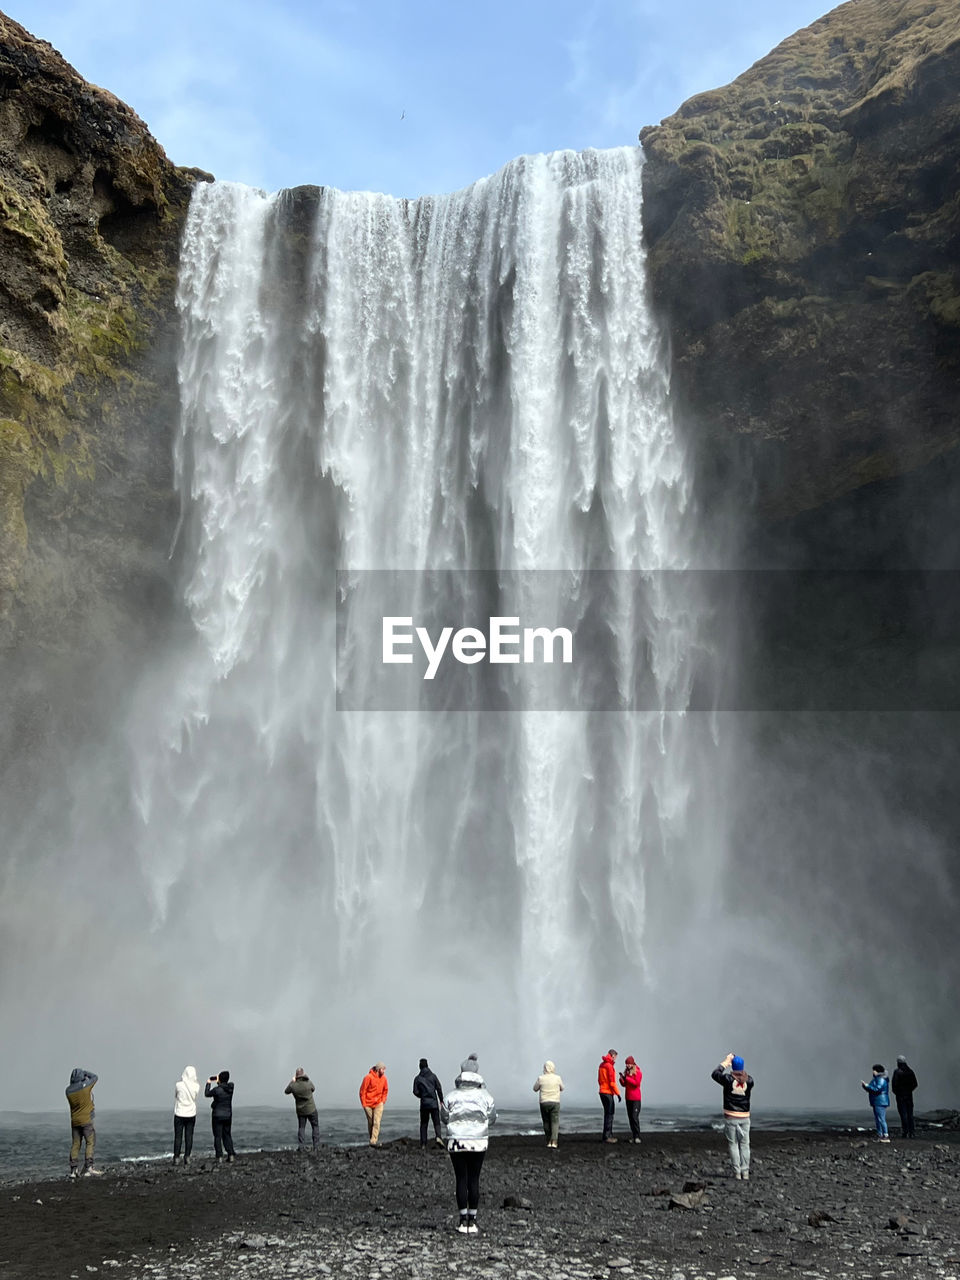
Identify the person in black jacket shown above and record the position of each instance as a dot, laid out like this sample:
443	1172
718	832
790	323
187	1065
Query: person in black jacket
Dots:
220	1089
737	1087
903	1082
429	1090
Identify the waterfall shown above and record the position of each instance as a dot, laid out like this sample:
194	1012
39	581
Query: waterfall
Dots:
459	383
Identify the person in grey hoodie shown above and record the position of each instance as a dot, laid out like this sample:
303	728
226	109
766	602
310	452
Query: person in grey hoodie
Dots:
303	1089
185	1093
80	1096
468	1112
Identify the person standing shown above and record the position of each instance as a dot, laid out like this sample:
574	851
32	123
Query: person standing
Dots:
303	1088
220	1089
373	1095
879	1092
609	1093
429	1090
631	1077
737	1087
549	1086
903	1082
80	1097
185	1093
468	1113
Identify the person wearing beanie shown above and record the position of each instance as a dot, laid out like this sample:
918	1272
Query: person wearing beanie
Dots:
429	1090
630	1078
903	1082
185	1093
879	1093
737	1087
549	1086
609	1093
302	1088
373	1095
468	1112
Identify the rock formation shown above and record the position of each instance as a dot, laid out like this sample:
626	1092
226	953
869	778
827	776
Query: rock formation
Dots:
90	212
804	234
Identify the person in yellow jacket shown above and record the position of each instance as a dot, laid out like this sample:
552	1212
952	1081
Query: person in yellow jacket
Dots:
80	1096
373	1094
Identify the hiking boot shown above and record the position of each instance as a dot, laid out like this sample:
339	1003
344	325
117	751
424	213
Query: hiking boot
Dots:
462	1226
472	1228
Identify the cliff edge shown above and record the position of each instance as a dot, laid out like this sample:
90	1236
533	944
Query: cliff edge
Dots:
90	218
804	233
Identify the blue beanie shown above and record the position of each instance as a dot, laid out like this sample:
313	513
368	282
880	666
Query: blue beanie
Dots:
737	1063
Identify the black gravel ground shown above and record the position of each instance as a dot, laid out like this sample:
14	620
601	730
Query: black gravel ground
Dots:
820	1205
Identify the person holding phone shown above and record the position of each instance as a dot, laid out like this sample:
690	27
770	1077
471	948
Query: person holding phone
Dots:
220	1089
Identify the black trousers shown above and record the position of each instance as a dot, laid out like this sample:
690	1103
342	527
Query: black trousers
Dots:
221	1136
905	1111
609	1110
183	1134
466	1167
633	1115
426	1115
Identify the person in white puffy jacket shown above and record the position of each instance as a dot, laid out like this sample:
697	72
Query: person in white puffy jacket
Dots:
468	1112
185	1093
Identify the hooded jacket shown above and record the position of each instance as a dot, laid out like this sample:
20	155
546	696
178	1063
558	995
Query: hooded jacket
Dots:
879	1091
903	1081
631	1077
549	1085
302	1088
80	1096
607	1076
185	1093
222	1094
427	1088
468	1112
737	1087
373	1088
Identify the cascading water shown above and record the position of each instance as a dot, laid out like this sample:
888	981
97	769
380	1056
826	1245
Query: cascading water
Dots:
464	382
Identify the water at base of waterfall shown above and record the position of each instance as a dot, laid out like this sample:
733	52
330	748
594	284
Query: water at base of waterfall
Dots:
35	1145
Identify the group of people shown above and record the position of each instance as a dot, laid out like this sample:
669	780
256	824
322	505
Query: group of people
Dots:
878	1088
467	1111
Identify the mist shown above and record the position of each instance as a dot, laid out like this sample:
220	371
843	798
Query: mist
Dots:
208	862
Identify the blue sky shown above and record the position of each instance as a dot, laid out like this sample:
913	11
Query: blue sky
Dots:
404	97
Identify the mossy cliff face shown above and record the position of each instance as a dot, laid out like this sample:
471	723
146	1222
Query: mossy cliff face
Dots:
804	235
90	218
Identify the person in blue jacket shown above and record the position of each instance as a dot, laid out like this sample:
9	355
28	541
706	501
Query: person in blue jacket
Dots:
879	1091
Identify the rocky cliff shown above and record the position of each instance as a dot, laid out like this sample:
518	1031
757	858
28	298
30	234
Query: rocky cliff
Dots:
804	234
90	215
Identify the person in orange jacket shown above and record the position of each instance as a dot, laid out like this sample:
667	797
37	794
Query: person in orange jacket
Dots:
609	1093
373	1094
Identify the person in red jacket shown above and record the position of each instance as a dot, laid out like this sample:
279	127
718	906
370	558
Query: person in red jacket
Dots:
609	1093
373	1094
630	1078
